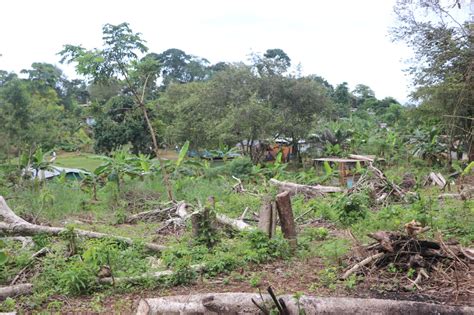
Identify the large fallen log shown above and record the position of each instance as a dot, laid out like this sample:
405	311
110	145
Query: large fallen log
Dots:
13	225
308	190
241	303
15	290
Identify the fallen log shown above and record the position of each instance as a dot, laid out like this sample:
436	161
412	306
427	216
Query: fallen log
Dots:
15	290
311	191
15	226
241	303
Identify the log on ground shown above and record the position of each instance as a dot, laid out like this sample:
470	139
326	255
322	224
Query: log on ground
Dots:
241	303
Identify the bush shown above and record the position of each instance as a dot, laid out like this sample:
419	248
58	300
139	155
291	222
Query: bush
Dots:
352	208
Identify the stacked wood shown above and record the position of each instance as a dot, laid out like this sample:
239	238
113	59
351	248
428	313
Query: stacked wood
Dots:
241	303
307	190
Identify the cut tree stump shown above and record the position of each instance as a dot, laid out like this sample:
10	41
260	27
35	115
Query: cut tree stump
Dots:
267	217
241	303
287	221
12	224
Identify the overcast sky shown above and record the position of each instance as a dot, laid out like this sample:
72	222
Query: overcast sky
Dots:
343	40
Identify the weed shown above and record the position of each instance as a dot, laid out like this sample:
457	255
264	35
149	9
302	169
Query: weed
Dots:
255	280
9	305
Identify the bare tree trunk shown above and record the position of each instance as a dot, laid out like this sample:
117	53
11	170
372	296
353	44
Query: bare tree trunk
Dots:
285	212
14	225
241	303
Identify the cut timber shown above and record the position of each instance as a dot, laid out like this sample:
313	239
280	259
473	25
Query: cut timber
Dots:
287	221
267	217
15	290
12	224
241	303
312	191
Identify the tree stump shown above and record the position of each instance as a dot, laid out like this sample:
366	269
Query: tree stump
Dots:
287	221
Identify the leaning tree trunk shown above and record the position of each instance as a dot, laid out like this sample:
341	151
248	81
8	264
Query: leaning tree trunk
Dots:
241	303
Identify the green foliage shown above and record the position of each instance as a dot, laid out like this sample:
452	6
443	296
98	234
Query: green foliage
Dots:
352	208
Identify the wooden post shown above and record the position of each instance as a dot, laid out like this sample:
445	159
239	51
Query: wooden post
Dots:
287	221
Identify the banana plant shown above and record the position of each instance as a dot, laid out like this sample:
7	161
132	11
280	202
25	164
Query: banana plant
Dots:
117	166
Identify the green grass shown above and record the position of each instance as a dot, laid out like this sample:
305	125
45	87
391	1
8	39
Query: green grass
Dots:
86	161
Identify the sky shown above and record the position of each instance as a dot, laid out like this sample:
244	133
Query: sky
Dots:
340	40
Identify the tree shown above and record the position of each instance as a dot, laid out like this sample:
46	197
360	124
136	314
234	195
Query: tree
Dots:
179	67
119	59
121	123
443	64
273	62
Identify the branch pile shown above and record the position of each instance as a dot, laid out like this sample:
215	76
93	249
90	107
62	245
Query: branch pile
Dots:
381	187
429	266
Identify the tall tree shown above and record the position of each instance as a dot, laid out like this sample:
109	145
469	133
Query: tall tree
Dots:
443	64
119	59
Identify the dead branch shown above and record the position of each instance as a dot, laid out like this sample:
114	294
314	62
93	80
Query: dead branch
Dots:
41	252
360	265
14	225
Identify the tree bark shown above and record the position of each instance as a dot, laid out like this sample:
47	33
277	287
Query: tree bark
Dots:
241	303
267	217
287	221
16	226
15	290
311	191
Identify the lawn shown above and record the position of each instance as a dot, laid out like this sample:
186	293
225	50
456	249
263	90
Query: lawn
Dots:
85	161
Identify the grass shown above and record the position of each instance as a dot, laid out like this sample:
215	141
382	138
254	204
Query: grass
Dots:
57	202
86	161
